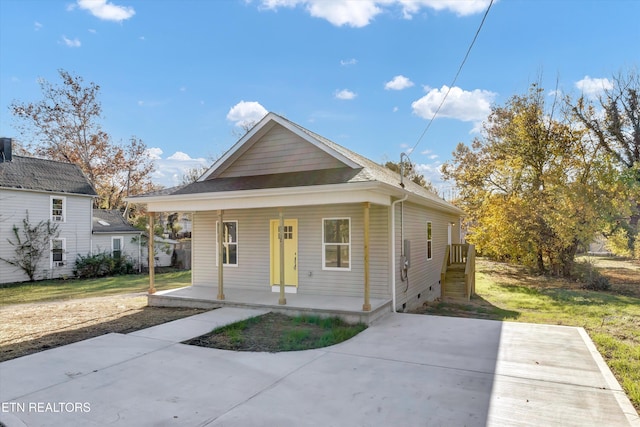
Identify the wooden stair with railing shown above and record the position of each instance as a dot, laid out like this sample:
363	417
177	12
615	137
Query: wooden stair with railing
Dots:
458	275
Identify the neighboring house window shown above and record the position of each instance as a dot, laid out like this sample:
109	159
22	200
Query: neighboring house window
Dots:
58	253
429	240
336	244
116	247
58	209
229	243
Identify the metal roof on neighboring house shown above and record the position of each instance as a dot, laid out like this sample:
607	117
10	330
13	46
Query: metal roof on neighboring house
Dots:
111	221
31	173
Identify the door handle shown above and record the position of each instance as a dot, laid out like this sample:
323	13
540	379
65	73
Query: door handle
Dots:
295	261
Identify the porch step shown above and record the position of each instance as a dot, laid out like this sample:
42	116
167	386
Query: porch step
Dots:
454	289
454	282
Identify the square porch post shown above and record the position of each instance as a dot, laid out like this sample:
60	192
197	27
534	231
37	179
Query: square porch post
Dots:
220	255
152	259
282	300
367	303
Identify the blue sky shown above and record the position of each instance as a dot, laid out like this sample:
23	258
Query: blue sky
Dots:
183	75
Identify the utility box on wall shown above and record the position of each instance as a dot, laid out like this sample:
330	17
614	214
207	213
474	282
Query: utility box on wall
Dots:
407	252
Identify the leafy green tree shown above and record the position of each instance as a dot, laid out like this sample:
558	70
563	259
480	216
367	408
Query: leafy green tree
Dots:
31	243
535	188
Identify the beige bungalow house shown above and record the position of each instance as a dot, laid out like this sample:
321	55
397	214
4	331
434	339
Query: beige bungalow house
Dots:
308	223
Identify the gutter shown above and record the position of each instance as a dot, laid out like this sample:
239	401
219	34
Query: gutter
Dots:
393	249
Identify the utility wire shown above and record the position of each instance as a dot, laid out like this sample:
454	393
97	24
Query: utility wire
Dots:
454	79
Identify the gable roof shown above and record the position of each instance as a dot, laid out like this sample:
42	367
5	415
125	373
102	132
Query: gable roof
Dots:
111	221
357	170
30	173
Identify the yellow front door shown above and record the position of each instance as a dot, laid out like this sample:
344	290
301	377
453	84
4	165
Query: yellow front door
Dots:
290	252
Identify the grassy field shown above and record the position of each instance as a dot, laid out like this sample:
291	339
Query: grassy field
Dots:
57	290
611	318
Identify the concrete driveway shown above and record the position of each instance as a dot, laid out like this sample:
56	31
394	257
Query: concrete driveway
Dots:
405	369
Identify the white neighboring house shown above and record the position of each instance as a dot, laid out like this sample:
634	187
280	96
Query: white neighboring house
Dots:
115	236
46	190
163	248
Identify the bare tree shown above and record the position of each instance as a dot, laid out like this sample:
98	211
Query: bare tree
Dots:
65	125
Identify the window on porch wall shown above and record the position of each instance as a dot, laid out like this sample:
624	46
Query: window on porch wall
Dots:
229	243
336	244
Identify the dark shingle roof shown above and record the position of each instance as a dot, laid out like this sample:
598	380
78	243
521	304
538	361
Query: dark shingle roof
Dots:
280	180
31	173
111	221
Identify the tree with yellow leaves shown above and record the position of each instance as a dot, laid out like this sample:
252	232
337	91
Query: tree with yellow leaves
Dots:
535	187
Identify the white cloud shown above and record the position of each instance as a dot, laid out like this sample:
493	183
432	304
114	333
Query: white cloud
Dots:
432	173
246	113
467	106
395	109
593	87
360	13
102	9
71	43
345	94
459	7
398	83
169	171
155	152
37	26
348	62
179	155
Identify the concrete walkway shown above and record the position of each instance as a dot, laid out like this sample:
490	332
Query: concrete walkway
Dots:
405	369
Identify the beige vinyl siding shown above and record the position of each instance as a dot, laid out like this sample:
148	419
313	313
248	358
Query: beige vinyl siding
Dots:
423	273
76	230
253	267
280	151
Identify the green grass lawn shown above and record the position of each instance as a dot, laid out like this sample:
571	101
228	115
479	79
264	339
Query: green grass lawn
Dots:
612	318
56	290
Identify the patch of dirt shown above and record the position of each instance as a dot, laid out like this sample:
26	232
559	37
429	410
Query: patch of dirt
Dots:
30	328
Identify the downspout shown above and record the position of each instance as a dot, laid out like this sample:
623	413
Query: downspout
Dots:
393	249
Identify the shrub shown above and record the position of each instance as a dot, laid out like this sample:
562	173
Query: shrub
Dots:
590	277
101	264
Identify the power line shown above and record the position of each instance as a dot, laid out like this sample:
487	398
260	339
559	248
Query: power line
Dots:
454	79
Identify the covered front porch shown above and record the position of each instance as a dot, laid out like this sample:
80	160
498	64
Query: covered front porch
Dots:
345	307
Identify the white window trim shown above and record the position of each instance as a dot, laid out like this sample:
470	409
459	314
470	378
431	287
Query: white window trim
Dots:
64	209
324	265
429	240
237	242
121	238
53	263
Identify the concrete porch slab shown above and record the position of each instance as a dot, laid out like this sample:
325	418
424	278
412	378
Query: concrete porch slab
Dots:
346	307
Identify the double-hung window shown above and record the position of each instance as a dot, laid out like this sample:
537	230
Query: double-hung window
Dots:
116	247
429	240
229	243
58	209
336	244
58	254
